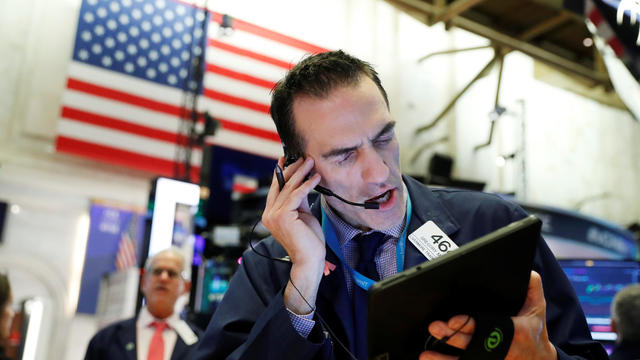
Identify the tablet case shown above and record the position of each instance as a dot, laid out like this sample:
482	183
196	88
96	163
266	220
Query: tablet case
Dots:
489	274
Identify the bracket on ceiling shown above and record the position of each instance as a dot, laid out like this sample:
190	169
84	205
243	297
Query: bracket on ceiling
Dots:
498	110
497	57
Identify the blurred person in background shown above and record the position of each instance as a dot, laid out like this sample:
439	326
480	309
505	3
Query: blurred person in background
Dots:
157	333
625	321
6	314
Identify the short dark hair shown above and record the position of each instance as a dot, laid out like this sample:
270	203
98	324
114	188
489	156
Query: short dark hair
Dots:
625	312
5	290
316	76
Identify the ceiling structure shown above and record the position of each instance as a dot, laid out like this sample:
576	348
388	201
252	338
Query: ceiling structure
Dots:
542	29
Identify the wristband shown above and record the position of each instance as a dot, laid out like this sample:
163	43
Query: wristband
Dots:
491	338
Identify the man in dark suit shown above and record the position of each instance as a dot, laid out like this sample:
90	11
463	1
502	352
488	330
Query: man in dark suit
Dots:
332	115
157	333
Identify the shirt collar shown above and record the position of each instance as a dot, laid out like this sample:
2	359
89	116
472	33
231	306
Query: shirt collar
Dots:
346	232
145	318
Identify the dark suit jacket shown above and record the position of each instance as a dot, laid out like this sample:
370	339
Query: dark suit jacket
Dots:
118	341
626	351
252	322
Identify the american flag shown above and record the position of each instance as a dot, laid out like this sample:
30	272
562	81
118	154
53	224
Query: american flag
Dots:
127	255
604	30
131	67
616	23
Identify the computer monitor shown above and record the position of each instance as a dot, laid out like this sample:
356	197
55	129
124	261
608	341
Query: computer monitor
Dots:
174	205
596	282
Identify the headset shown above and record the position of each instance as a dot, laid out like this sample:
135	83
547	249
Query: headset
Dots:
290	159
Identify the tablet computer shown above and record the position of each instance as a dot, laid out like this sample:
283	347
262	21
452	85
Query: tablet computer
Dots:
488	275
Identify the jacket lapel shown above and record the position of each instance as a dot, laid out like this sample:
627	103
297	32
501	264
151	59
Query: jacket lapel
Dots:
179	349
425	207
127	338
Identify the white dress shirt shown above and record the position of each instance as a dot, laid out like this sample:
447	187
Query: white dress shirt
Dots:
144	333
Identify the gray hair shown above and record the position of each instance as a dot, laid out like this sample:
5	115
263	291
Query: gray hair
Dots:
173	250
625	312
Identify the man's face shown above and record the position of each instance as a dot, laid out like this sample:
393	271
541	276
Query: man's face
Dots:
163	284
350	135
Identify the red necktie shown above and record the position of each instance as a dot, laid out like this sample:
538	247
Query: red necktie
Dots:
156	346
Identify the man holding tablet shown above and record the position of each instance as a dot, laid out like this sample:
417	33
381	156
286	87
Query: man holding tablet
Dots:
302	294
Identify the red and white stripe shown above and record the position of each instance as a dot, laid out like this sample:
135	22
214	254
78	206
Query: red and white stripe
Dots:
244	184
604	30
110	117
126	257
242	68
132	122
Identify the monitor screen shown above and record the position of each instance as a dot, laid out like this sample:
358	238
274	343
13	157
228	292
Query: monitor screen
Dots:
173	204
596	282
217	274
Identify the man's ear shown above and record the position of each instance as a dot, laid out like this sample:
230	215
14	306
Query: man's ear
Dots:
613	327
187	287
143	283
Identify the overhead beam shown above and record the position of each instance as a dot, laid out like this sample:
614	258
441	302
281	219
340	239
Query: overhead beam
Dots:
456	8
420	11
545	26
425	7
531	50
566	65
554	4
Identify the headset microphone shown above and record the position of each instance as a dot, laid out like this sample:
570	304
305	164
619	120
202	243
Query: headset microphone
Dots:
323	190
367	204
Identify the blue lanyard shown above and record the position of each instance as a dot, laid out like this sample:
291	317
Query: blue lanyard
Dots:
361	280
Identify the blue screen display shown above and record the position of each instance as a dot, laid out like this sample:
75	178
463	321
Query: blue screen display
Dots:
596	282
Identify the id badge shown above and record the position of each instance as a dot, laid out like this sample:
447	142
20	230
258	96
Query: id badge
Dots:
431	241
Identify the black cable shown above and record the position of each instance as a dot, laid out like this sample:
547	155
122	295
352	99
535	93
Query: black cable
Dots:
324	323
187	119
286	259
428	345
